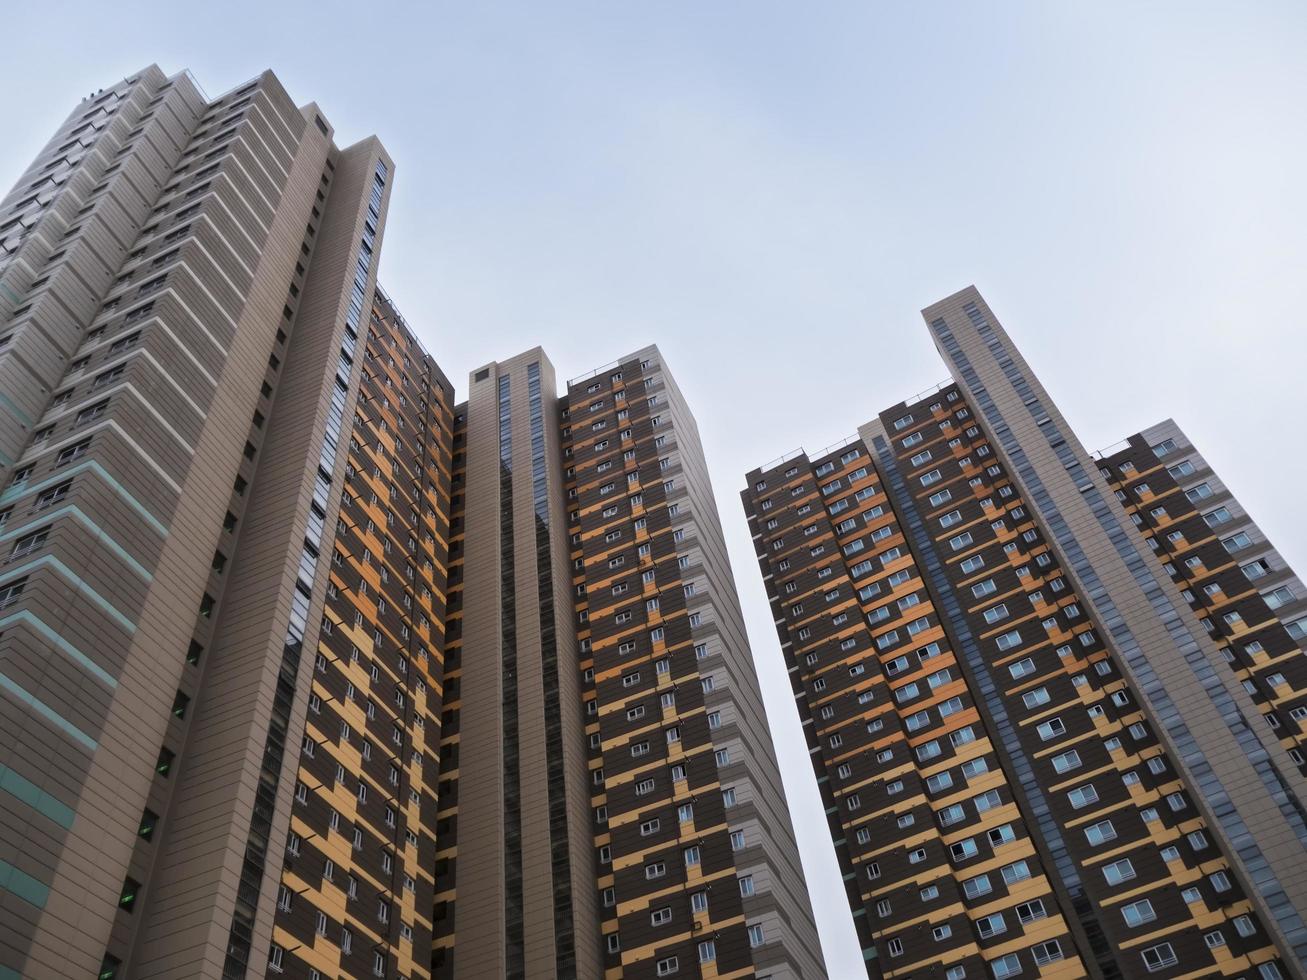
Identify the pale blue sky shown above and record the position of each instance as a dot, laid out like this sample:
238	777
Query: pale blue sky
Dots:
737	181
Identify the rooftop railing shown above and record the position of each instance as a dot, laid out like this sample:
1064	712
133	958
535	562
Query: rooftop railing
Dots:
595	373
1111	450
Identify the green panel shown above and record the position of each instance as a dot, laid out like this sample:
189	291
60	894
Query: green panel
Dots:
38	799
82	587
48	713
21	489
81	659
101	536
17	412
23	885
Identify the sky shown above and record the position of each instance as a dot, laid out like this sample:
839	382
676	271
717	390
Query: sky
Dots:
771	192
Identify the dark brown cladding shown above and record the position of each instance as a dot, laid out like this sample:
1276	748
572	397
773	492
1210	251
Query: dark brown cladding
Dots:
444	915
1108	787
1246	596
696	871
1140	881
922	810
643	688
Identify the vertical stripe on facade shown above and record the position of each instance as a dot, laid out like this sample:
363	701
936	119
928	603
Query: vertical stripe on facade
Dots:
514	913
560	858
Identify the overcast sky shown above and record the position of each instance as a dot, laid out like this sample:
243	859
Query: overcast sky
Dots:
772	191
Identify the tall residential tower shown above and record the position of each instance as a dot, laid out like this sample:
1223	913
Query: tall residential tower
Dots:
306	669
183	285
1054	711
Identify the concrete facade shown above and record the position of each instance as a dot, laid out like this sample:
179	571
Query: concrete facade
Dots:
1135	816
185	314
297	657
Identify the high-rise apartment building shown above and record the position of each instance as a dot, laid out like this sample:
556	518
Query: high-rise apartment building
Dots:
358	867
1247	597
696	854
308	670
1054	703
183	282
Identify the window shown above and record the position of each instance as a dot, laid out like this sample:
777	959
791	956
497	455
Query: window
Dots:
1256	569
1138	913
11	591
1035	698
1100	833
1030	911
660	917
1066	761
964	849
1233	543
1279	597
1021	668
667	966
991	925
707	951
1119	871
756	937
1082	796
1217	517
1052	728
1002	835
1047	952
1159	957
977	887
1009	640
988	800
974	768
69	453
127	897
91	412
